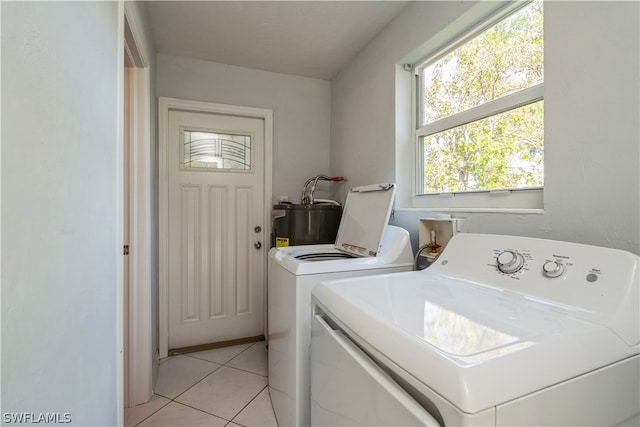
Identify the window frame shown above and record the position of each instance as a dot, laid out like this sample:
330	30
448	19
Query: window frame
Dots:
527	200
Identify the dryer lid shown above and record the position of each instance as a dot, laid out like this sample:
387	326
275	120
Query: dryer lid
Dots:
475	346
365	216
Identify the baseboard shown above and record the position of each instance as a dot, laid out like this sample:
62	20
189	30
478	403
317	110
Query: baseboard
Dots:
213	345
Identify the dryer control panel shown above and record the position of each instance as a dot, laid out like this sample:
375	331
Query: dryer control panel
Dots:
592	282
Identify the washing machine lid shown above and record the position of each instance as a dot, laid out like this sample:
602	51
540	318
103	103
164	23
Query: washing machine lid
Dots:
477	347
364	218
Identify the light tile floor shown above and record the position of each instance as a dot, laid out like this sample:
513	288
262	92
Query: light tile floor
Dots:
221	387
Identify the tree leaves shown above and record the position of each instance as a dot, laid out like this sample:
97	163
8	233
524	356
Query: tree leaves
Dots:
502	151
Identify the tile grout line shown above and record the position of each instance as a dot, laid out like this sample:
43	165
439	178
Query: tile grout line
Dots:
231	360
154	412
210	413
249	403
206	376
180	403
199	381
246	349
241	370
202	410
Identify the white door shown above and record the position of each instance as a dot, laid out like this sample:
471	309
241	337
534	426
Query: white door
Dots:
215	224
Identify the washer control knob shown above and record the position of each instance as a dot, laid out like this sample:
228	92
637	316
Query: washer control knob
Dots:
510	262
552	269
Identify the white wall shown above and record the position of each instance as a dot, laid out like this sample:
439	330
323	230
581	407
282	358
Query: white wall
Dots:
363	94
301	118
592	105
60	243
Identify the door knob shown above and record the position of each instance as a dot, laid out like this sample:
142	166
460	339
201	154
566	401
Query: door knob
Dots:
257	245
257	229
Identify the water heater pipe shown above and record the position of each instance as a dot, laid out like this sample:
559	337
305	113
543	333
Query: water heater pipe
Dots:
309	200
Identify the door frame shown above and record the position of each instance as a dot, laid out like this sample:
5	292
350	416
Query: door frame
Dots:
137	320
165	105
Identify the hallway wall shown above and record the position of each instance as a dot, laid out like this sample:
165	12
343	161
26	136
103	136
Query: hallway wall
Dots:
59	172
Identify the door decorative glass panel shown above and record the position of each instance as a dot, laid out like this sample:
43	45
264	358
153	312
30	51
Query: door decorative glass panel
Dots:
213	150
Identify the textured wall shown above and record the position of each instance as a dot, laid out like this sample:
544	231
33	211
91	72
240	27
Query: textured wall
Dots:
60	215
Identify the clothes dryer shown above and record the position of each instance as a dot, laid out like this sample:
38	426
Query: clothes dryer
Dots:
365	245
500	331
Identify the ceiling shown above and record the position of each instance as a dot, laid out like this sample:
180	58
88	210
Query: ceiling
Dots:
305	38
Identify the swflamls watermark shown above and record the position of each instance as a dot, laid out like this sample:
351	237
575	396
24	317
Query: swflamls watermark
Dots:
36	417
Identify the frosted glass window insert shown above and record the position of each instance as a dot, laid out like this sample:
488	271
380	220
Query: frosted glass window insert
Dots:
212	150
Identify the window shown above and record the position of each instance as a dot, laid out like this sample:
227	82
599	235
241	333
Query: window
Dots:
213	150
480	123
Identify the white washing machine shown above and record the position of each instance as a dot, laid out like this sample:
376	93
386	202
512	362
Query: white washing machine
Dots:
500	331
365	245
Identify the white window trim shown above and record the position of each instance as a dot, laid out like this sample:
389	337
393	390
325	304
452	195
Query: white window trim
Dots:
525	200
506	103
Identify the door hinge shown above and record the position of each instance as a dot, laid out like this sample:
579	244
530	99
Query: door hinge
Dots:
126	249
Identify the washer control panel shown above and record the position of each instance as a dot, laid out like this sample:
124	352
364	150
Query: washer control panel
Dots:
511	261
581	278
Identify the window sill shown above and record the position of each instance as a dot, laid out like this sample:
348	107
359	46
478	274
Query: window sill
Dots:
525	201
512	211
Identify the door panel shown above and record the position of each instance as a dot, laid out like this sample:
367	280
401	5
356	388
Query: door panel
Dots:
190	252
218	200
243	275
216	193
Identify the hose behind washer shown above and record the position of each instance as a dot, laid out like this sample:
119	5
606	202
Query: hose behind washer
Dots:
415	259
